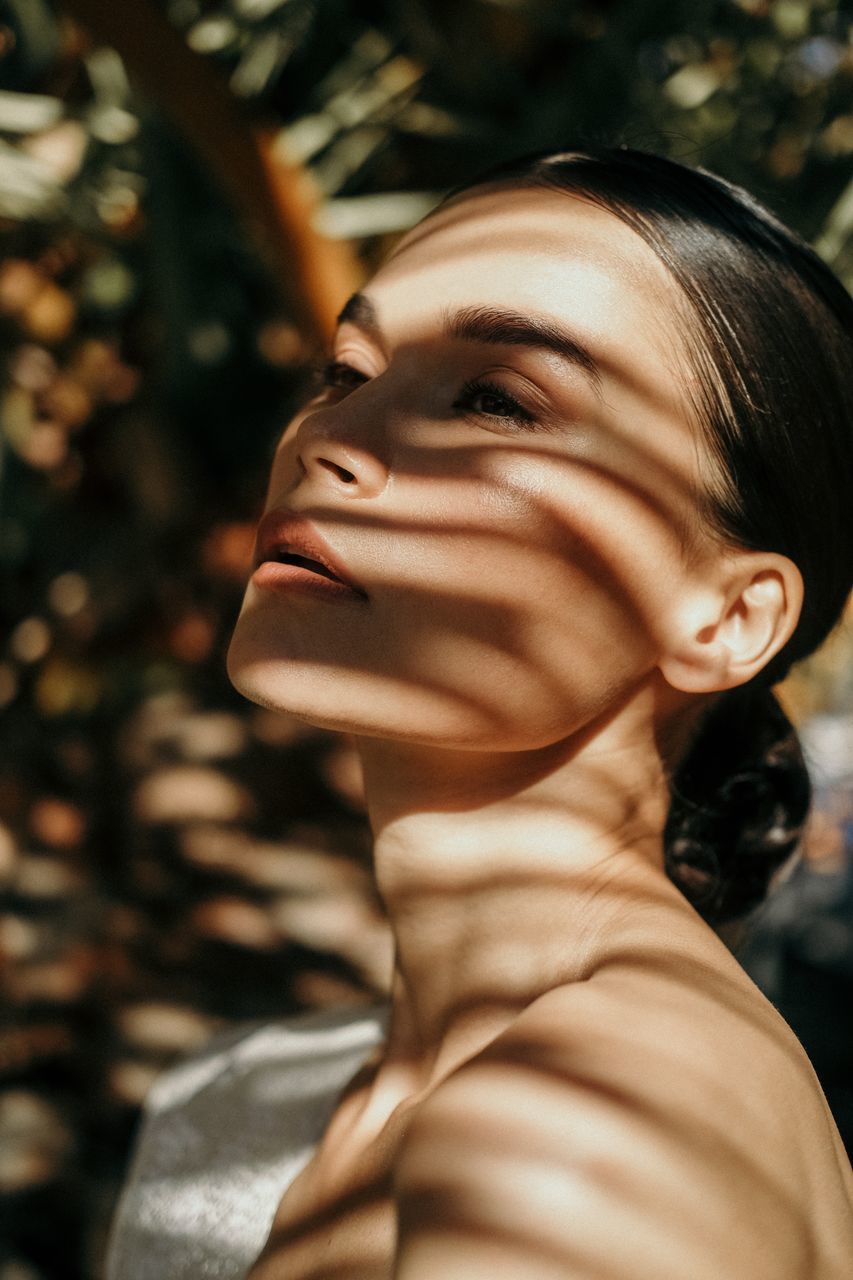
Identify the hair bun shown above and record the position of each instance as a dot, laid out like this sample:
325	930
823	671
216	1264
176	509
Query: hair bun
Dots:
740	798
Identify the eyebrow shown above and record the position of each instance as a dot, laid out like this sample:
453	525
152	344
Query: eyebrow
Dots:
510	328
494	326
361	311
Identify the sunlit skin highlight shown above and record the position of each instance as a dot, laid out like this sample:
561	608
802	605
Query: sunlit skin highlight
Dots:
546	616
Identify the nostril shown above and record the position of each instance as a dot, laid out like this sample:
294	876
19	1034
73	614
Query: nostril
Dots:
340	472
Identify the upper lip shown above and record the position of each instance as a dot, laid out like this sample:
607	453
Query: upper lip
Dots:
282	531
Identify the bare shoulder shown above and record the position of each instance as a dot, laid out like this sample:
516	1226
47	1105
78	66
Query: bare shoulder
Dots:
656	1120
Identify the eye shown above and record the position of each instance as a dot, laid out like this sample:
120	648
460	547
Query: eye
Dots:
339	376
489	400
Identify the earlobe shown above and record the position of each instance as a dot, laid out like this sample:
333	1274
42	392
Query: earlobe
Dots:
727	636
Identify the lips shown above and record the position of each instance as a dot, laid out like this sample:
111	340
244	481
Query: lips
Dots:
285	538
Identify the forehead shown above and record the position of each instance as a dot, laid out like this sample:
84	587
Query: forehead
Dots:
546	252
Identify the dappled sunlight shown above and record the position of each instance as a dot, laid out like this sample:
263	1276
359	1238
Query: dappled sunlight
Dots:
501	242
494	554
186	792
577	1172
484	589
364	1223
520	598
183	872
34	1141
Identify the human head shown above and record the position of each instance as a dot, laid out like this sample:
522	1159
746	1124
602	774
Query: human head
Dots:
748	395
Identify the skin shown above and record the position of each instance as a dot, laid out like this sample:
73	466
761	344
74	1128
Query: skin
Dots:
579	1081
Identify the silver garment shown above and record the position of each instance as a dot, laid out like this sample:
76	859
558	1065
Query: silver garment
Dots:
223	1135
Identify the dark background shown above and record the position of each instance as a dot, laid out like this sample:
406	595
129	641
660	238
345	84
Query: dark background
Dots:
188	192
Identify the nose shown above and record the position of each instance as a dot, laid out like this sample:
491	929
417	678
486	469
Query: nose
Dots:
327	452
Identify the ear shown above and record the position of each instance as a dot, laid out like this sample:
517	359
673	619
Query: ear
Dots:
726	633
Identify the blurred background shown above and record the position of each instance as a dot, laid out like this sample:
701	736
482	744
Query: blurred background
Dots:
189	189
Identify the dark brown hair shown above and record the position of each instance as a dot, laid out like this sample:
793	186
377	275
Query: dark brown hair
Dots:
773	357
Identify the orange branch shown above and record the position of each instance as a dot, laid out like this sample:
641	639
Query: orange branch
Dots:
276	201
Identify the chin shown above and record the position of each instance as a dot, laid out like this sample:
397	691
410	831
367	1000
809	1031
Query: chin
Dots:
292	692
381	708
429	704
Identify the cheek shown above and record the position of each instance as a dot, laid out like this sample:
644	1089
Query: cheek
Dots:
516	605
535	612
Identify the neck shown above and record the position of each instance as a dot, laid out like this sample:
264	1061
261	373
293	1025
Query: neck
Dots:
501	873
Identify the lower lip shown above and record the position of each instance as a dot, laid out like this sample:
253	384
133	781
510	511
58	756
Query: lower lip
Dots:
274	575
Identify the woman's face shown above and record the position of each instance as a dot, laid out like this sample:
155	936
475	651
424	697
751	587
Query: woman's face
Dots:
503	460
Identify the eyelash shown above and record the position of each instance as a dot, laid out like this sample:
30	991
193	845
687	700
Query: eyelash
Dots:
333	376
484	387
329	373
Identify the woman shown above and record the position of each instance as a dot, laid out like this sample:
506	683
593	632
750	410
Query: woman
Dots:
574	493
